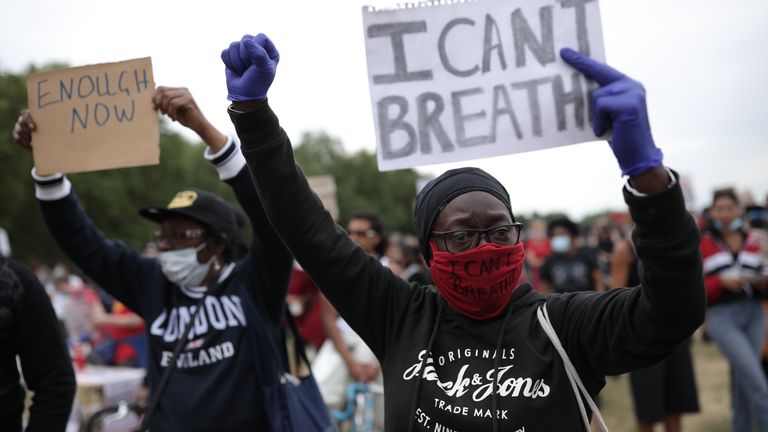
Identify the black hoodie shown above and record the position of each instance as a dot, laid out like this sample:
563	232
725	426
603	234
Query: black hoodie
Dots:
29	330
214	385
607	333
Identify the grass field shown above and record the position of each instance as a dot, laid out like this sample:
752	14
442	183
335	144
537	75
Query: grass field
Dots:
714	395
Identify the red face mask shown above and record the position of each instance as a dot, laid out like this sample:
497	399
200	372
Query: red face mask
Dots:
479	282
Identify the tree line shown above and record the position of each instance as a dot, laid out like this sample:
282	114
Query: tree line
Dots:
111	198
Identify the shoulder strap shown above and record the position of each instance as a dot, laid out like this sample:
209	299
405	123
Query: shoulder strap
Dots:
570	370
298	341
158	391
268	348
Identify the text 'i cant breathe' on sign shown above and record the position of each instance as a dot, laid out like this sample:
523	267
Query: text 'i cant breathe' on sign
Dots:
461	80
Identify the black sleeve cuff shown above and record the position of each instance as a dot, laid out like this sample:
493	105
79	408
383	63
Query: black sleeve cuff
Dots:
256	128
659	214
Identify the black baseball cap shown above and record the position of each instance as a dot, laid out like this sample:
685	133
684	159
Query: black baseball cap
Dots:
203	207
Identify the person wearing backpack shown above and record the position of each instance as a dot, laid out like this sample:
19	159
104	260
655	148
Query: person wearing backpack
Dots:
30	331
199	288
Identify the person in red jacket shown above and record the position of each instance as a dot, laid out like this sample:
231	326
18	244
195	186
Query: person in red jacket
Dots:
304	304
735	283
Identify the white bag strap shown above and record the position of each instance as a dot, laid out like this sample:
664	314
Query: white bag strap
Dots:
573	376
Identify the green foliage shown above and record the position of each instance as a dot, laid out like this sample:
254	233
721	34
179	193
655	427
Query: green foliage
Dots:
18	210
111	198
359	183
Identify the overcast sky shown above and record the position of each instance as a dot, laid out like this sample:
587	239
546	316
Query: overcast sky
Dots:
704	64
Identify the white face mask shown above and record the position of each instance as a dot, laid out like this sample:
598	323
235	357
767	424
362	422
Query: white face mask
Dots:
560	243
296	308
181	266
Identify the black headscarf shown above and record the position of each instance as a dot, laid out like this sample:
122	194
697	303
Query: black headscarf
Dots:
442	190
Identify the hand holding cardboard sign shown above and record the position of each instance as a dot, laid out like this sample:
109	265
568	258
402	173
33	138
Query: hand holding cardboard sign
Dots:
250	67
22	130
178	104
619	106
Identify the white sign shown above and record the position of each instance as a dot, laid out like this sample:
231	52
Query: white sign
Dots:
461	80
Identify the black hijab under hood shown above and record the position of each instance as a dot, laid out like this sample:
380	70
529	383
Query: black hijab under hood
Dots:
442	190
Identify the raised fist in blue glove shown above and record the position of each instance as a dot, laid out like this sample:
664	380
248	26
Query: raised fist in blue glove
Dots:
251	65
619	106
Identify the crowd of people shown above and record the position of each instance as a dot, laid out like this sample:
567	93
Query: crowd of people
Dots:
95	326
476	322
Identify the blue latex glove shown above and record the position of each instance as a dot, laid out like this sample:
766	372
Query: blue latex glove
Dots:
250	67
619	106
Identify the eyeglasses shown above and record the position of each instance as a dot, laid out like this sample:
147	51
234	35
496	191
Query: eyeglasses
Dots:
464	240
369	233
178	237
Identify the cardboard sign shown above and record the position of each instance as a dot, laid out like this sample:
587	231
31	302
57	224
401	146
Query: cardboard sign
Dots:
325	188
94	117
455	80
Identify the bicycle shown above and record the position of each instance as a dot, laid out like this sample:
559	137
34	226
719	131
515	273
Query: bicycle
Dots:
123	417
359	410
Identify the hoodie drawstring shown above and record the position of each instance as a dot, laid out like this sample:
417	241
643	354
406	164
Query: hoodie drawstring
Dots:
570	371
494	398
419	377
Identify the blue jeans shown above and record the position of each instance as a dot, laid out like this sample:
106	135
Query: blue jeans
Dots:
738	329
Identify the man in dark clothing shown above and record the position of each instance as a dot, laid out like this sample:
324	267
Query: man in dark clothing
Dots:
29	329
569	268
214	385
478	351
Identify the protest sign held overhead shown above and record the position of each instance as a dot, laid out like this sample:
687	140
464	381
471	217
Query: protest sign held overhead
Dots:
324	186
460	80
94	117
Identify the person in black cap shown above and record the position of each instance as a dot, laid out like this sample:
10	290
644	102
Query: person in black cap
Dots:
214	385
209	223
479	350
